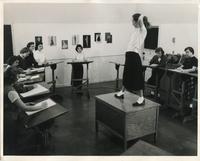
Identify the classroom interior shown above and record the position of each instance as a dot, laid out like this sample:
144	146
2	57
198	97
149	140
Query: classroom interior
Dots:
90	121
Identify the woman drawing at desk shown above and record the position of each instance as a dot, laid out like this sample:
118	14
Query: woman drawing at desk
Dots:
133	79
159	60
77	69
14	109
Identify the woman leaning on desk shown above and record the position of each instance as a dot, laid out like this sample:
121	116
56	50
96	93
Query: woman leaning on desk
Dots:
190	64
133	79
14	108
159	60
78	68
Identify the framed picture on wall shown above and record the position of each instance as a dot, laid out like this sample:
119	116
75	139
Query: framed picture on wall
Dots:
97	37
75	39
38	40
52	40
108	37
86	41
64	44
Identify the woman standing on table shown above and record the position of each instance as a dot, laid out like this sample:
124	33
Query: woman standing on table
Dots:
133	79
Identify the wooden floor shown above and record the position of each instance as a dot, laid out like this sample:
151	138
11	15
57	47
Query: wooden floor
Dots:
74	132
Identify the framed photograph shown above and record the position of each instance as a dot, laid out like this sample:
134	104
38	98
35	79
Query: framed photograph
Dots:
38	39
97	37
52	40
86	41
75	39
108	37
64	44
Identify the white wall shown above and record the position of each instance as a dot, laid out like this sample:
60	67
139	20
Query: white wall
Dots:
101	70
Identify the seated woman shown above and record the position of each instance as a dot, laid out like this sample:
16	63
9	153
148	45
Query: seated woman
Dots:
77	69
190	64
39	55
14	130
13	62
159	60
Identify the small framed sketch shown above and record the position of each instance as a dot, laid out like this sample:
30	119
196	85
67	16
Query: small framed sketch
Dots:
86	41
108	37
64	44
38	40
52	40
75	39
97	37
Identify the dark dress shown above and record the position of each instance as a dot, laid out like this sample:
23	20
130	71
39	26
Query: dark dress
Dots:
22	62
133	78
17	139
30	61
77	73
157	72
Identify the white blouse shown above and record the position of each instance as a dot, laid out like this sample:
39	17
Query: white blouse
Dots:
137	40
39	57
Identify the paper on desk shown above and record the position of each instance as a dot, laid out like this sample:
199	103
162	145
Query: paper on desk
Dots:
49	102
35	91
35	77
37	69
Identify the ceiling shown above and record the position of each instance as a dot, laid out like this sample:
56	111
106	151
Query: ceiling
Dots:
97	13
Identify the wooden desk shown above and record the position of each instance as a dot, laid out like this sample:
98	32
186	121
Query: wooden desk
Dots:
142	148
117	65
44	115
83	79
124	120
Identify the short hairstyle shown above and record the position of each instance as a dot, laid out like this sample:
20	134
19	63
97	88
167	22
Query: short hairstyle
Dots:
190	49
78	46
159	49
10	76
24	50
29	44
11	60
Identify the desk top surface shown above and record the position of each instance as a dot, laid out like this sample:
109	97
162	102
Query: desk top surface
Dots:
45	115
125	105
80	62
173	70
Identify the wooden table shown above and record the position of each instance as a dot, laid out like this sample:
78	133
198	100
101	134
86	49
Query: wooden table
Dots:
124	120
85	80
117	65
142	148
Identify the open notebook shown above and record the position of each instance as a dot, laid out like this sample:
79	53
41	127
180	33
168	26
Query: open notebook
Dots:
35	91
49	102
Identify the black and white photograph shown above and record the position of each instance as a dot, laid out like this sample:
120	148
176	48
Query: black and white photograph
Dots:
75	39
64	44
108	37
97	37
108	80
38	40
86	41
52	40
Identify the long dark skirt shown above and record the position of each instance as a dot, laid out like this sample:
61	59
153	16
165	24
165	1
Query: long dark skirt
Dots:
133	78
77	73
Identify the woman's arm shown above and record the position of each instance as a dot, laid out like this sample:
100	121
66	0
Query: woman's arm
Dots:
141	24
19	103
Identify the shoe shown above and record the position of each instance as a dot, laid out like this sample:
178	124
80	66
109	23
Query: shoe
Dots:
120	97
139	104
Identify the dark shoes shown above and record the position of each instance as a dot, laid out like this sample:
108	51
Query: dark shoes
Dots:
139	104
120	97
